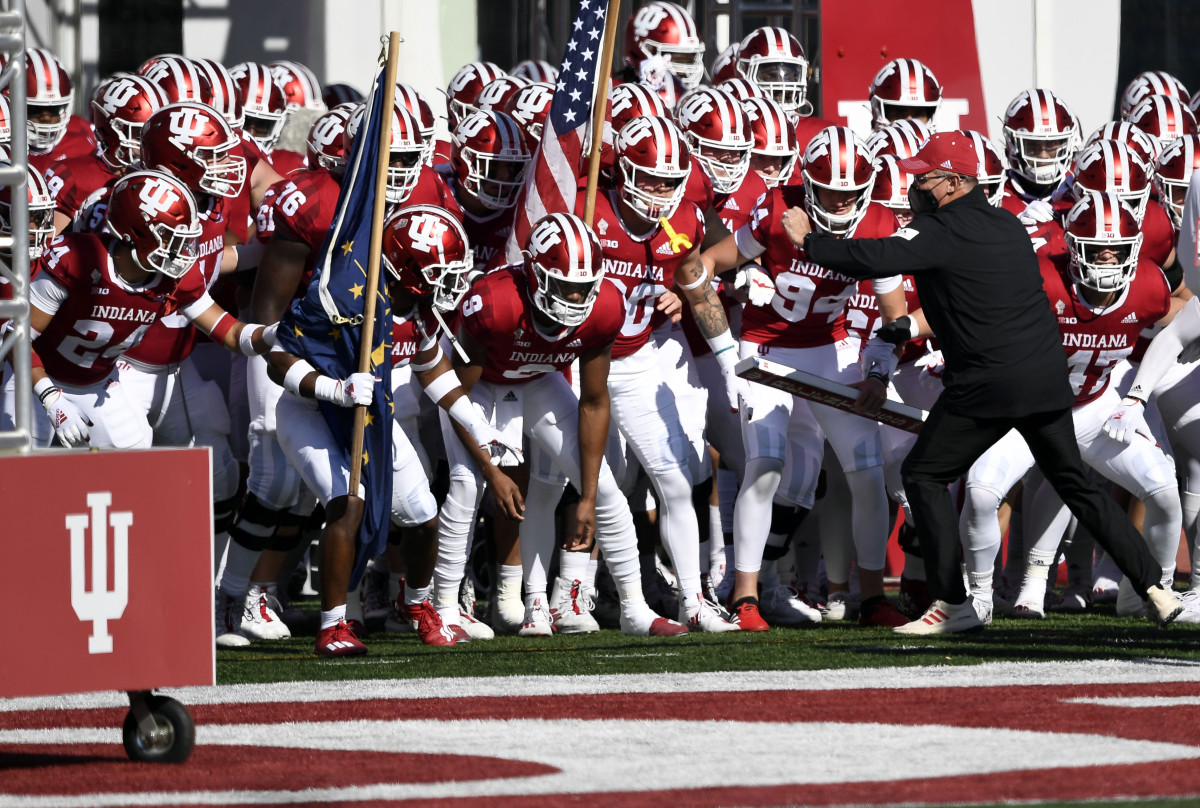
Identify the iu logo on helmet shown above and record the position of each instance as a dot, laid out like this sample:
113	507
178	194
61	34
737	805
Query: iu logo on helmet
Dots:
471	126
117	94
544	237
426	232
648	19
157	197
100	603
636	130
695	107
186	125
326	131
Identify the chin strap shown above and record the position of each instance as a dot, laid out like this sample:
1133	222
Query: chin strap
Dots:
437	315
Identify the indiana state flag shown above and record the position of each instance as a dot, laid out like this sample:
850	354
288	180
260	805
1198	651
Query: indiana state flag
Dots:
325	327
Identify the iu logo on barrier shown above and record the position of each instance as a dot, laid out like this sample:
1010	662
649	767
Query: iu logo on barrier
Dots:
99	603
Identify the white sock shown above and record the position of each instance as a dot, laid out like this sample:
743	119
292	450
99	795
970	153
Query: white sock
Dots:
573	566
330	618
981	584
414	596
589	575
239	566
508	585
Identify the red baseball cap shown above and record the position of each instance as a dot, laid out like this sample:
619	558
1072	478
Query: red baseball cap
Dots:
949	151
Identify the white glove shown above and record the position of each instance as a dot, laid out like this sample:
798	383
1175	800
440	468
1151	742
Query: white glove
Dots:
1126	420
354	390
759	286
492	441
878	357
69	422
932	366
1037	212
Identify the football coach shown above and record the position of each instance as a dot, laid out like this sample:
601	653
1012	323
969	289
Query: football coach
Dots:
981	294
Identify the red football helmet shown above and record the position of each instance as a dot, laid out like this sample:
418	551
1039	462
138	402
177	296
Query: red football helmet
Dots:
776	148
667	30
495	93
536	70
564	268
718	131
465	87
631	101
407	150
408	97
155	214
1144	147
741	89
1038	134
489	157
651	151
1148	83
180	79
326	145
1103	239
904	88
773	59
194	143
426	251
894	140
41	214
226	98
120	106
300	87
336	94
263	103
891	187
145	66
1110	166
837	161
1163	117
1173	171
5	121
48	97
530	107
724	67
991	166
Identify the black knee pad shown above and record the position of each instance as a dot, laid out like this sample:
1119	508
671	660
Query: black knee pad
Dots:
256	524
784	521
225	513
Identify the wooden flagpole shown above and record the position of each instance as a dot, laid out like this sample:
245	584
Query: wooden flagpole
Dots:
383	153
606	57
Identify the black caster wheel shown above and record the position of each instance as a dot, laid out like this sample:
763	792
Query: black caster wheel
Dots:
166	734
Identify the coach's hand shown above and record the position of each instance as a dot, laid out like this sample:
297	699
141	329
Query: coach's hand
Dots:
797	225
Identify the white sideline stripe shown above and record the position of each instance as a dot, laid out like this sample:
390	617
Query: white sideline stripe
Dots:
1139	701
645	755
990	674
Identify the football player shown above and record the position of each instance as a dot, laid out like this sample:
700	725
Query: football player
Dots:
54	133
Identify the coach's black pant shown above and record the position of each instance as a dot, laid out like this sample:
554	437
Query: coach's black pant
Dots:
947	447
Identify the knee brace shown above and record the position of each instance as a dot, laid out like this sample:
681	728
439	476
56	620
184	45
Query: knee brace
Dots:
785	519
256	524
287	535
225	513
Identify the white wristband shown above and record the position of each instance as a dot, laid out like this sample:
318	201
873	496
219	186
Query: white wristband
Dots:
47	390
327	389
724	348
439	387
295	375
464	412
246	338
430	365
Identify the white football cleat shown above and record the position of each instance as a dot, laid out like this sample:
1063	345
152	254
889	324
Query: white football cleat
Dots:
573	611
506	615
259	620
983	608
840	606
1191	607
228	621
643	621
475	629
1128	602
782	606
698	614
944	618
1162	605
537	621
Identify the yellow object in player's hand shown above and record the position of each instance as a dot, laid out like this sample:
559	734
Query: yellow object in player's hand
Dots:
679	242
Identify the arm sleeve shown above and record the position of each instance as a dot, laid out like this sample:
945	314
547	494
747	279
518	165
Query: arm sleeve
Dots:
910	249
46	294
197	307
1165	349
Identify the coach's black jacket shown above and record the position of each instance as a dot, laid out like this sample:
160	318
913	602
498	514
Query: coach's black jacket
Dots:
981	291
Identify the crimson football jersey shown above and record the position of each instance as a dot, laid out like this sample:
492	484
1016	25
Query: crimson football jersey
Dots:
172	338
643	267
97	316
90	216
809	307
412	333
1158	234
1097	339
498	314
863	318
807	127
699	189
302	210
79	141
287	162
433	189
73	181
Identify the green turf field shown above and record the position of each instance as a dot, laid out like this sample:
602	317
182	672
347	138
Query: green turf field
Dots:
1060	637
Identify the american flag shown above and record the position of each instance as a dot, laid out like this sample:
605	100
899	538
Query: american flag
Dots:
559	163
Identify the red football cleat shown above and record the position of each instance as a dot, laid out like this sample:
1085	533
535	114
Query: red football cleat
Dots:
338	640
662	627
745	614
430	627
882	613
